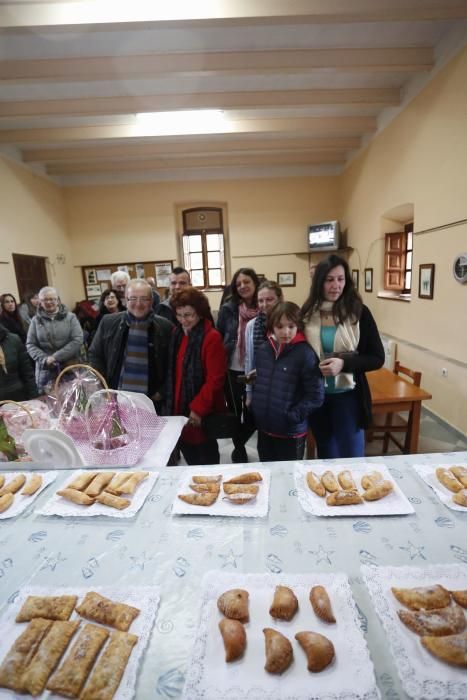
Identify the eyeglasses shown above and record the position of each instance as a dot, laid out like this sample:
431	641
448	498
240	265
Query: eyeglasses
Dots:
49	300
186	316
142	300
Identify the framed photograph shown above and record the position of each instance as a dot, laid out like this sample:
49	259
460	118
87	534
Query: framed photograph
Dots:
91	277
261	276
93	290
355	275
163	271
139	267
103	275
368	279
426	281
286	279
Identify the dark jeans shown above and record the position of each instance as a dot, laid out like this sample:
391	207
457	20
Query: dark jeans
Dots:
275	449
336	427
206	452
235	394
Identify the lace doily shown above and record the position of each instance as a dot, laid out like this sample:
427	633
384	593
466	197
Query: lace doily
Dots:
258	508
427	472
57	505
20	502
422	674
145	599
350	676
394	503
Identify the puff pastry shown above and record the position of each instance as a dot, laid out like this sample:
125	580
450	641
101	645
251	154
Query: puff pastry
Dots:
118	480
321	604
2	480
319	650
279	652
130	485
206	479
20	654
234	604
448	479
98	484
343	498
346	481
369	480
241	488
14	485
109	669
70	677
379	490
212	487
248	478
460	473
108	499
423	598
199	499
460	597
99	609
329	482
49	607
460	498
82	499
315	484
33	485
436	623
82	480
51	650
239	498
452	649
234	638
5	501
284	604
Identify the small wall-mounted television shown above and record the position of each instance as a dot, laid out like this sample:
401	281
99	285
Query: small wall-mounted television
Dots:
324	236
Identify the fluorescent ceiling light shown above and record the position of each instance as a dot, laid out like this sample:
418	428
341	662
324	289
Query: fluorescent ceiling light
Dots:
196	121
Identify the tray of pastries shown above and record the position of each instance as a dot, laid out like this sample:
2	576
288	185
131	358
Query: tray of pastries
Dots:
448	481
19	489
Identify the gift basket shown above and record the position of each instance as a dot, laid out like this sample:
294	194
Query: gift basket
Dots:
15	418
74	387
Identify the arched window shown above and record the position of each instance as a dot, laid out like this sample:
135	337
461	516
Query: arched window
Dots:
203	243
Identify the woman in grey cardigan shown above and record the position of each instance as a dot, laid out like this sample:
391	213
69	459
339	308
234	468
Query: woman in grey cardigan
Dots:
54	337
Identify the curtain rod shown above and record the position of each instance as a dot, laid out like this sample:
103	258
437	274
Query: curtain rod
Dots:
439	228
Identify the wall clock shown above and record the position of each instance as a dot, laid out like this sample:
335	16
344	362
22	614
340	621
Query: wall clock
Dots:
459	268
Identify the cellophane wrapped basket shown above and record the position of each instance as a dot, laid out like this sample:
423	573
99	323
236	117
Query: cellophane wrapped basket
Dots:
15	418
74	387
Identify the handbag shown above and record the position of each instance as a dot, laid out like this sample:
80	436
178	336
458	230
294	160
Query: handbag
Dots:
220	425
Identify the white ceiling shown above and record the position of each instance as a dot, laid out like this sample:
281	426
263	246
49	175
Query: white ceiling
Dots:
303	84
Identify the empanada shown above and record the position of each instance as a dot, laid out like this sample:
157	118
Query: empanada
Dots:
247	478
329	482
369	480
199	499
279	652
20	654
346	481
47	606
118	480
379	490
319	650
97	608
436	623
110	667
33	485
2	480
460	498
315	484
108	499
343	498
452	649
234	638
5	501
241	488
212	487
206	479
82	499
460	473
460	597
239	498
321	604
448	479
130	485
284	604
98	484
423	597
234	604
81	481
14	485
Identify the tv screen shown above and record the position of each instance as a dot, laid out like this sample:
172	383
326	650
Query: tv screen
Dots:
323	236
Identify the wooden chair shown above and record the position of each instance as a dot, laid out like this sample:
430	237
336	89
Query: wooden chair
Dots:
385	426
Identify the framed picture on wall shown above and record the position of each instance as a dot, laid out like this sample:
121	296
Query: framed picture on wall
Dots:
368	279
163	271
426	281
286	279
91	277
355	275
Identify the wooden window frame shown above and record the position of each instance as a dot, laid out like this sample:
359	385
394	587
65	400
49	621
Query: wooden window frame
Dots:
397	246
204	232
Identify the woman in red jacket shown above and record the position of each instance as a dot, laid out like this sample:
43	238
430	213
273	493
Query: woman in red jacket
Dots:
196	374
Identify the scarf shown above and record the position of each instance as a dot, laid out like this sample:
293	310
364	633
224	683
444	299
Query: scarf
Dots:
135	370
193	371
245	314
259	331
346	340
3	360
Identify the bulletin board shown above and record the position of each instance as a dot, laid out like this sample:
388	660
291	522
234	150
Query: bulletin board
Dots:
96	278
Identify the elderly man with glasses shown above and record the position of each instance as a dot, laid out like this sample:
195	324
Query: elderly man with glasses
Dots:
130	348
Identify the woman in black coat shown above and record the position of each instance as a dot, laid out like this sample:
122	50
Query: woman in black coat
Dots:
17	381
10	318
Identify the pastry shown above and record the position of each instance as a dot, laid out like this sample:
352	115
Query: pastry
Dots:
212	487
81	481
117	480
371	479
75	496
460	473
206	479
234	604
315	484
14	485
5	501
239	498
448	479
99	609
346	481
108	499
379	490
319	650
33	485
98	484
460	597
20	654
321	604
47	606
130	485
343	498
248	478
437	623
284	604
452	649
241	488
460	498
70	677
199	499
423	598
2	480
51	650
110	667
234	638
279	652
329	482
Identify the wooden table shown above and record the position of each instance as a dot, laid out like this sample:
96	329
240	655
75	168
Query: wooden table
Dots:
390	394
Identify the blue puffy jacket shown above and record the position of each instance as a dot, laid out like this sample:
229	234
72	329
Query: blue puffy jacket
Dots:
288	387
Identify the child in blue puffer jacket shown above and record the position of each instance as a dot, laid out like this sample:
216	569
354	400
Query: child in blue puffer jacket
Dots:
288	386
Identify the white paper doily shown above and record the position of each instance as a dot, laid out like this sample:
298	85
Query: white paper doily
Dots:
258	508
144	598
427	472
22	502
394	503
350	675
422	674
57	505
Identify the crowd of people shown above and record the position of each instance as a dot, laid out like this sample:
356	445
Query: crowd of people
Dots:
267	364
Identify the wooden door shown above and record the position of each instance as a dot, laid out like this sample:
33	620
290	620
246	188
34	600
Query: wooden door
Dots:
394	264
31	273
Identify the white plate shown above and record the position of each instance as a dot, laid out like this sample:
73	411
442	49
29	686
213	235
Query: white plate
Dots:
53	448
20	502
427	472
